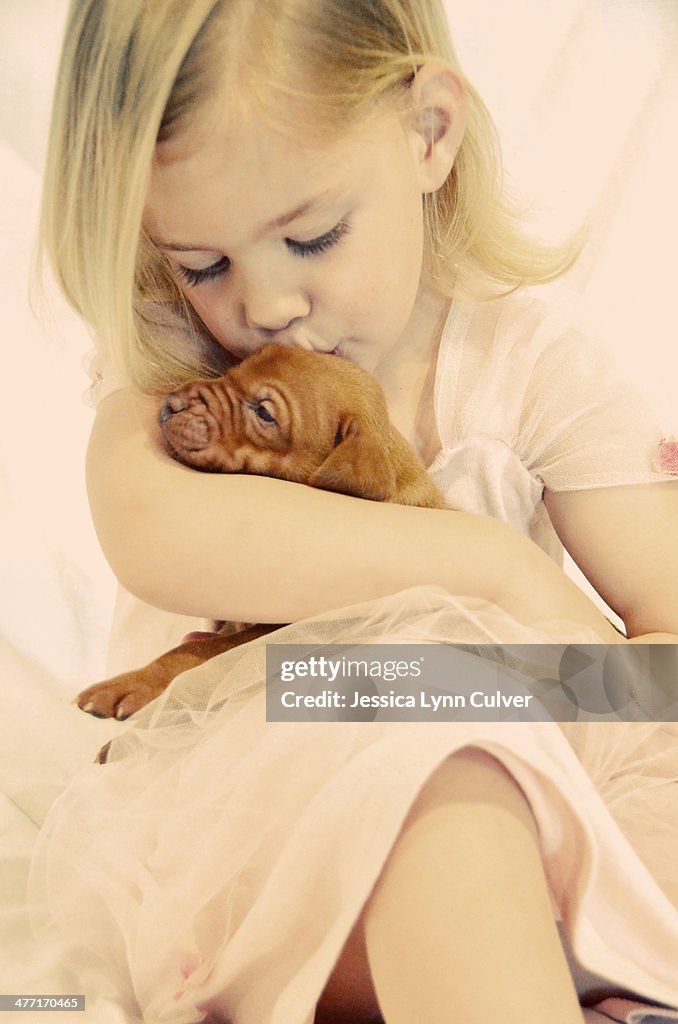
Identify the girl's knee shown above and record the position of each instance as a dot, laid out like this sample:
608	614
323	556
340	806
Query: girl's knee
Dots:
476	785
470	831
462	894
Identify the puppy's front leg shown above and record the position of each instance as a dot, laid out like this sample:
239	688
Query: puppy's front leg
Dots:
126	694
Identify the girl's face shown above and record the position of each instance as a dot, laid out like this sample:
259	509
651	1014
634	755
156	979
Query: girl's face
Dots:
316	245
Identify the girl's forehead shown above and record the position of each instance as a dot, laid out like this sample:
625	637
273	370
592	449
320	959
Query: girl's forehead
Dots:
266	127
258	175
249	150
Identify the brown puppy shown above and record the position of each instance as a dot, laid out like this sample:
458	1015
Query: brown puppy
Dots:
288	413
297	415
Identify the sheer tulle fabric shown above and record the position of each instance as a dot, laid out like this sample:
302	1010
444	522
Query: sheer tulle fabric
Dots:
217	863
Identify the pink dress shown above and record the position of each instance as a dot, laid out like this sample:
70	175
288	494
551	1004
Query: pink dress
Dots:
215	866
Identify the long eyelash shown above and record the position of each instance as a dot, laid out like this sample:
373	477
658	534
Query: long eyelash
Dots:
322	243
313	248
195	277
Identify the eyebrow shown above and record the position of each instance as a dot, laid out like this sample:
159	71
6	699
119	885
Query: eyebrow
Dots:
308	206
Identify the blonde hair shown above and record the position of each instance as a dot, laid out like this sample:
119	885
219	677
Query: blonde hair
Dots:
138	73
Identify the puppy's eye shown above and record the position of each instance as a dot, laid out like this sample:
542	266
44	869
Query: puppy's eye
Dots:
263	412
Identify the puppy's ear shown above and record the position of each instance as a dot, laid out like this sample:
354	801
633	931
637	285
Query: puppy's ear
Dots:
358	465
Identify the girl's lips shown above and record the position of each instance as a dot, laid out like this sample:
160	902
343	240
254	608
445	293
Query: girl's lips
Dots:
308	339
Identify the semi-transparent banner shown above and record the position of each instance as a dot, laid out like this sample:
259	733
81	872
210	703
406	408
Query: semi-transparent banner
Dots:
498	683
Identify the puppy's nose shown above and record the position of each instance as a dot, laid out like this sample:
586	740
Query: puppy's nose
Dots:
171	406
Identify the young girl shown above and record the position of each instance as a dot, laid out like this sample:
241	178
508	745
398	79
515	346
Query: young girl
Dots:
224	175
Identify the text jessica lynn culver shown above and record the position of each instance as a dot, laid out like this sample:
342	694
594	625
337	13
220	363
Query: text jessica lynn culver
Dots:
431	701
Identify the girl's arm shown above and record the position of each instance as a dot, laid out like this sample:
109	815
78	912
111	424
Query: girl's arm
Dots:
625	541
259	550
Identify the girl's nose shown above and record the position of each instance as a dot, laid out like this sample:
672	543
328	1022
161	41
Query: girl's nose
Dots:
273	309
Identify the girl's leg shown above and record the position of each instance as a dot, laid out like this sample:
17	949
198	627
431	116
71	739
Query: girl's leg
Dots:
460	926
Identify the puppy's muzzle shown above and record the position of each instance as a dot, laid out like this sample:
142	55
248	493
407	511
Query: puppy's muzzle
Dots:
171	406
186	422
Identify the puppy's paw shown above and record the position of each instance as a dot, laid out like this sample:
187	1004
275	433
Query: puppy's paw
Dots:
120	697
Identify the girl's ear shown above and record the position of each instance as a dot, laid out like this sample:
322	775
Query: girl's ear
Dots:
437	122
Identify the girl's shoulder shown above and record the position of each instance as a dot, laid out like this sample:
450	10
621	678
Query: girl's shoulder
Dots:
534	342
522	323
527	370
495	353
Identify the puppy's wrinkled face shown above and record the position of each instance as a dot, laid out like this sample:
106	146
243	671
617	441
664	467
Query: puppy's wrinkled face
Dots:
280	413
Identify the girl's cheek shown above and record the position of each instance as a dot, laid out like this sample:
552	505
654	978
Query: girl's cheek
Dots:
212	315
212	311
349	279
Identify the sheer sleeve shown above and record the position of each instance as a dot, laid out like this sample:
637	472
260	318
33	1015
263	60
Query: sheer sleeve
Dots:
105	376
583	422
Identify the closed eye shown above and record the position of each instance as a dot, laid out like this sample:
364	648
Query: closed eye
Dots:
263	412
196	277
314	247
320	244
